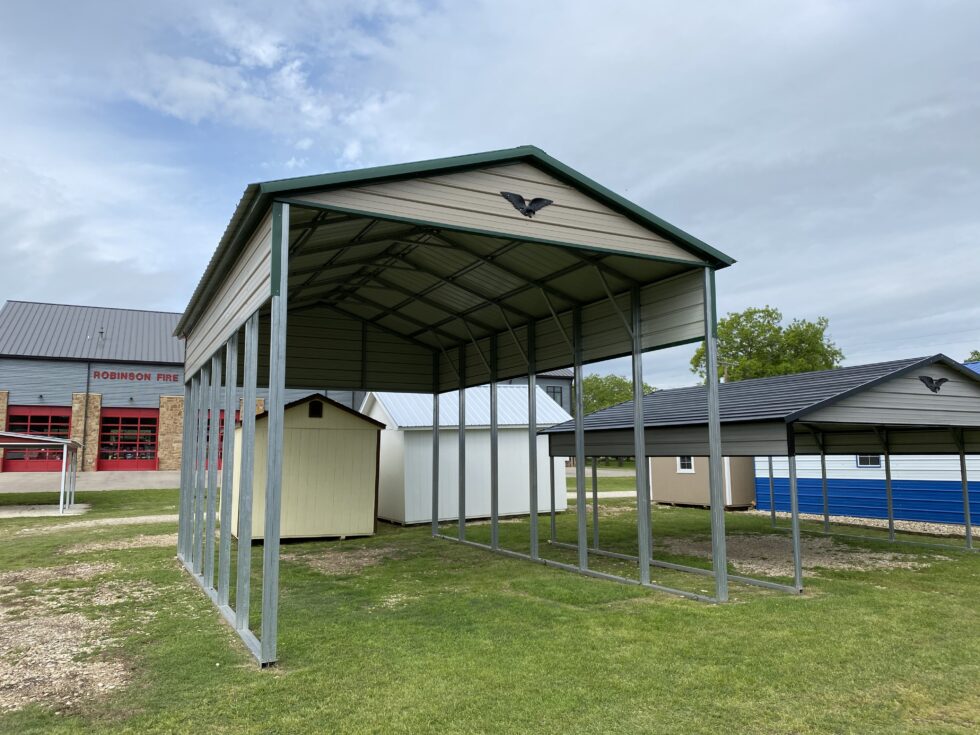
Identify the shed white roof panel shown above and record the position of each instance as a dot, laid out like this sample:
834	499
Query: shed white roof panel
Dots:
414	410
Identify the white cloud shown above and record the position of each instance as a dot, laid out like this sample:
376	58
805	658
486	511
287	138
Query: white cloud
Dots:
836	161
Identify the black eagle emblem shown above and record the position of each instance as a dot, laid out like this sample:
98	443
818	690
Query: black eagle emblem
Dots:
527	208
933	384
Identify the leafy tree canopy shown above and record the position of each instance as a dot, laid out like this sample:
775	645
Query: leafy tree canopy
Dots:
754	344
602	391
973	356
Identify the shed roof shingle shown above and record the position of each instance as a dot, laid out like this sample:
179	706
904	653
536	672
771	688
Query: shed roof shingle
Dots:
62	331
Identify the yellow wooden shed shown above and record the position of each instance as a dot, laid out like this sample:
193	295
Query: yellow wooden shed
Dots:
329	471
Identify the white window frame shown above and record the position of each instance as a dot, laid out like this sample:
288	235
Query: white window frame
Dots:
857	462
684	470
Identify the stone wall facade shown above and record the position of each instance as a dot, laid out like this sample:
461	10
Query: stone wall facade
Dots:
170	434
4	401
85	428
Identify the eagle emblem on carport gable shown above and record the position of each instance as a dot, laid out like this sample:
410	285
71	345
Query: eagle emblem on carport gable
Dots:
933	384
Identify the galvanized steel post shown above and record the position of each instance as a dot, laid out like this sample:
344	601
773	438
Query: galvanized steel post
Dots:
243	580
772	495
274	408
719	550
794	509
227	467
889	500
494	449
582	535
644	529
967	520
214	408
532	429
461	439
186	455
595	503
64	478
203	389
823	489
435	444
551	475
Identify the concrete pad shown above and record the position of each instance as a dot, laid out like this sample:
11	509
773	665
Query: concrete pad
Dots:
42	511
39	482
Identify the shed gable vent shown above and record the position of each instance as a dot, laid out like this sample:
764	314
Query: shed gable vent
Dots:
316	409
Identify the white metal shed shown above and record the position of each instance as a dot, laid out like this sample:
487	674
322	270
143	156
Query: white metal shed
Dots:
405	485
329	471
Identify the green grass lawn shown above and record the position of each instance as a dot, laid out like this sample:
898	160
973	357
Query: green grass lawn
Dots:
431	636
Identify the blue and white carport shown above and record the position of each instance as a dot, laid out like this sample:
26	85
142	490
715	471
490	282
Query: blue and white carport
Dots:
427	277
919	406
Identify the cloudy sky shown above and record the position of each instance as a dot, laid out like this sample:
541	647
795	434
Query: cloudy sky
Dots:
833	148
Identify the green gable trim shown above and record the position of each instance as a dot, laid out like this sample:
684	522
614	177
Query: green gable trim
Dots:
259	196
367	214
528	153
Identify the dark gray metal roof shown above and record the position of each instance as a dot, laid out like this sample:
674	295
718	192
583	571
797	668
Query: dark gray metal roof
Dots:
761	399
64	332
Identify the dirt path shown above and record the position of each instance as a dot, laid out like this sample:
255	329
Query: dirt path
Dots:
772	555
97	523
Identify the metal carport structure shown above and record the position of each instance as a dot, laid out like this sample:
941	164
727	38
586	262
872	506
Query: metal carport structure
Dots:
926	405
424	277
69	459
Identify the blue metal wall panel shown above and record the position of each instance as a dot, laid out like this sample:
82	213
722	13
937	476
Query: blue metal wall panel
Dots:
935	501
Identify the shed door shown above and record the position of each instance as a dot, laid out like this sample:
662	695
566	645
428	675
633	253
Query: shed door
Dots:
41	420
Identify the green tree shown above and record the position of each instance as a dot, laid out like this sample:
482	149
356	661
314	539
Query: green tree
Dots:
602	391
973	356
754	344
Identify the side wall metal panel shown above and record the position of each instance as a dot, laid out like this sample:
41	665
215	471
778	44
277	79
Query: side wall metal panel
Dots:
242	291
737	440
41	382
324	348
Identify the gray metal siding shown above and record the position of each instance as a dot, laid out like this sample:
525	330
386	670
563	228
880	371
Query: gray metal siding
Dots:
906	400
135	386
738	440
243	290
760	399
41	382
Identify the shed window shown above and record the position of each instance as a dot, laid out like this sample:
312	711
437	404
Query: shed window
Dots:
685	464
316	410
869	460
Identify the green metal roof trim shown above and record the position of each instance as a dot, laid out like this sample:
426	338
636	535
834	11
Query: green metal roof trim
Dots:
258	196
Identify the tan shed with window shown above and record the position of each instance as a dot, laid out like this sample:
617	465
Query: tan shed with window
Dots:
329	471
684	481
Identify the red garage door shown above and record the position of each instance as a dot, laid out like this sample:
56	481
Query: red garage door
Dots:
128	439
42	420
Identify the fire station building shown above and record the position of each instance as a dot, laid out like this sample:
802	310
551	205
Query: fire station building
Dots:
111	379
